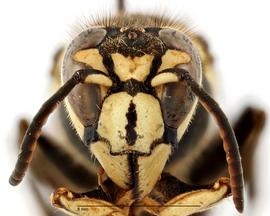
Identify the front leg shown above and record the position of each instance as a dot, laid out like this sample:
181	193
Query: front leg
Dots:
248	129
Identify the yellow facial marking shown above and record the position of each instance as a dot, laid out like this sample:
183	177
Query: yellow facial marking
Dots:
114	111
149	124
172	58
92	58
98	79
164	78
116	167
132	68
151	167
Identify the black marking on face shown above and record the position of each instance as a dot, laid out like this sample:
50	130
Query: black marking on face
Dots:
131	134
131	42
154	144
134	174
132	87
170	135
90	134
153	71
109	65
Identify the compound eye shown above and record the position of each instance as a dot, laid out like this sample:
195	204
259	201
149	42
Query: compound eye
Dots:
85	99
182	51
177	100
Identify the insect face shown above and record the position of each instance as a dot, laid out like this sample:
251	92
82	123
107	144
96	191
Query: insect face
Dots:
131	89
129	112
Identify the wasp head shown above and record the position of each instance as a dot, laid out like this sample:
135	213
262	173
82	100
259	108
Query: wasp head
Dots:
129	113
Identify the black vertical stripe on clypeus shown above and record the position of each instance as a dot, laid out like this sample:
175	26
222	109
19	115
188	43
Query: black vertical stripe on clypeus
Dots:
131	134
134	174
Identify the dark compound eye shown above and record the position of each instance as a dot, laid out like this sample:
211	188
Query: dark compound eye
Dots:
177	101
84	101
175	40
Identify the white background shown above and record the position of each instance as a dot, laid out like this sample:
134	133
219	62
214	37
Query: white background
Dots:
238	32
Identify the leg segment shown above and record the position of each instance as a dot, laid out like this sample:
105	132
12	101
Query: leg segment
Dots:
61	166
212	159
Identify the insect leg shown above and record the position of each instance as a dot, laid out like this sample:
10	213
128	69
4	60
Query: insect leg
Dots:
47	210
247	129
61	167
